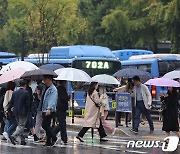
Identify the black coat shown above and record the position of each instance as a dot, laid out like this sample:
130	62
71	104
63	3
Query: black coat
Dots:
63	98
20	102
170	114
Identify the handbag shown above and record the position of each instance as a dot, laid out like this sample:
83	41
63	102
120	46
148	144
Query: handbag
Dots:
163	104
98	105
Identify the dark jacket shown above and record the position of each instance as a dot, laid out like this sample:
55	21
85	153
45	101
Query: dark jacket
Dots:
20	102
63	98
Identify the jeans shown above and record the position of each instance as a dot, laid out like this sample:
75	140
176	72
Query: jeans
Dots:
46	125
21	122
100	130
61	118
7	124
141	109
38	124
12	127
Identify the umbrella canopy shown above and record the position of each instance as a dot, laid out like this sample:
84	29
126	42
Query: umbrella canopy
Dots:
72	74
27	66
52	67
105	79
172	75
131	72
163	82
38	74
11	75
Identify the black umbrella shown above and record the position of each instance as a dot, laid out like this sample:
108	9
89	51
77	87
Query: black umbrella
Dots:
131	72
51	67
38	74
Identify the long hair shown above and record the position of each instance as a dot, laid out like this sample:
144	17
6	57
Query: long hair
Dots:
91	88
173	93
11	85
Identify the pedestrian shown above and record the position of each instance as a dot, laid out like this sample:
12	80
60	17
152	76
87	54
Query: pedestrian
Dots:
49	99
170	111
105	109
20	105
62	107
9	117
92	113
30	124
143	100
38	101
2	124
125	88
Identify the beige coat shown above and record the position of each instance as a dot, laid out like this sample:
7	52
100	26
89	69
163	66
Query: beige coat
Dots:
92	113
7	98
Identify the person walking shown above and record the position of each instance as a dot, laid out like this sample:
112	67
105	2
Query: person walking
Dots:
105	109
125	88
30	124
62	107
38	103
20	104
143	100
9	118
49	99
92	113
170	111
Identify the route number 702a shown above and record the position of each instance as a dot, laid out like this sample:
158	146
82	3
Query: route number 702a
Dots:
97	65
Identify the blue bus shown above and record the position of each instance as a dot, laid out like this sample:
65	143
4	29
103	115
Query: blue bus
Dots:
127	53
6	58
156	64
91	59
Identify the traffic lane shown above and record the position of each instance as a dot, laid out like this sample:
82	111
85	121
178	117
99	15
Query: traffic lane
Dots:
114	145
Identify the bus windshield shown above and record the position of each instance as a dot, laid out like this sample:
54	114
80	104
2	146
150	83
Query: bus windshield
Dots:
168	66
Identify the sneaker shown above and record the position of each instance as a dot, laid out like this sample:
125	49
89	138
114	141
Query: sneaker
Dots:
64	142
134	131
47	145
142	123
23	143
103	140
12	139
36	138
6	136
112	134
80	138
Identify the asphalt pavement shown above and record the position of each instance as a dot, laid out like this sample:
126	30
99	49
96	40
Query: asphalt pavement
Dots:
115	144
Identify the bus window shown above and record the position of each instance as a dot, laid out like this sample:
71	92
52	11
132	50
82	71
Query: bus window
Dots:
142	67
168	66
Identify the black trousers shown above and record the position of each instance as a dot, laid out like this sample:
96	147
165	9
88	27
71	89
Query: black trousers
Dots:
61	118
46	125
100	130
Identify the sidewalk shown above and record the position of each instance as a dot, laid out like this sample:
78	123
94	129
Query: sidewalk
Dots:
123	131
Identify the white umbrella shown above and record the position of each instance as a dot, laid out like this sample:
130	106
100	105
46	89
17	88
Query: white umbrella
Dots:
27	66
105	79
72	74
172	75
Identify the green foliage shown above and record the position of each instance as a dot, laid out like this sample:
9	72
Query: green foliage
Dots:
116	24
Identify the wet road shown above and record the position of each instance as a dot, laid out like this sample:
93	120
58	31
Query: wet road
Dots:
115	145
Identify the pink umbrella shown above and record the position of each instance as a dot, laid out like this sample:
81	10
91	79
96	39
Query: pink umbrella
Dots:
11	75
163	82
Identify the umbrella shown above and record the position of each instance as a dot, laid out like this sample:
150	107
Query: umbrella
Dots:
131	72
38	74
105	79
163	82
172	75
27	66
11	75
72	74
52	67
